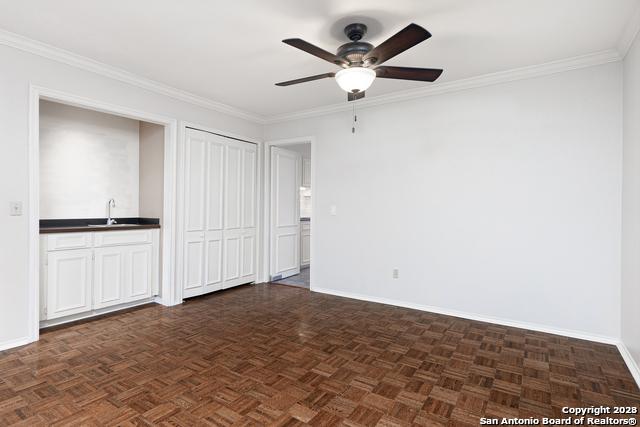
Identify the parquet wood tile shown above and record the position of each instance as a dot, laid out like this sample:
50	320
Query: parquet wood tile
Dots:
284	356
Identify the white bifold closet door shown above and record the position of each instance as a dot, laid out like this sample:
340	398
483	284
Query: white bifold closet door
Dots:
220	213
285	213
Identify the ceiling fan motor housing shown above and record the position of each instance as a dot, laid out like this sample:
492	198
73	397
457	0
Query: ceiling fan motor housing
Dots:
355	50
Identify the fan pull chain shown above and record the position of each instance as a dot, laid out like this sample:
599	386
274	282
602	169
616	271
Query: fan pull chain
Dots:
355	119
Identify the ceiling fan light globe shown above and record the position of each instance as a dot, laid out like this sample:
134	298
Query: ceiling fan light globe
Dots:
355	79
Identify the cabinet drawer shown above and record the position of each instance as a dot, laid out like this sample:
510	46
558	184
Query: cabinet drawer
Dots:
58	242
128	237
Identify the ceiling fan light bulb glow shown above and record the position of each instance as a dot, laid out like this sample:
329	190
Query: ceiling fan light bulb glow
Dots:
355	79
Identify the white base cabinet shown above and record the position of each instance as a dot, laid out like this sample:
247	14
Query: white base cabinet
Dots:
305	243
306	172
84	272
69	283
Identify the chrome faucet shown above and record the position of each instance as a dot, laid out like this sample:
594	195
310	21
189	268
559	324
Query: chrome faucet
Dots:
111	204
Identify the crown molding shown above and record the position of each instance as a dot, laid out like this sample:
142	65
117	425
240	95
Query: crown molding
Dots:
63	56
60	55
629	33
529	72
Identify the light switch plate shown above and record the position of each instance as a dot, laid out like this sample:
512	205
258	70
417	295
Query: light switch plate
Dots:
15	208
333	210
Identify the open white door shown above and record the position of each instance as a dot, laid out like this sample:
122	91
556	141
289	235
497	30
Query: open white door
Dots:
285	213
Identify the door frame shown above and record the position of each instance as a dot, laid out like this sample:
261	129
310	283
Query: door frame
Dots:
183	125
37	93
266	190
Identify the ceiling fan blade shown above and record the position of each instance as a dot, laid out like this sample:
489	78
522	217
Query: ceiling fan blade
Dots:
306	79
398	43
408	73
315	51
355	96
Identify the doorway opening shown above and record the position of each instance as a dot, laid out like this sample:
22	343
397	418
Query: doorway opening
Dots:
290	212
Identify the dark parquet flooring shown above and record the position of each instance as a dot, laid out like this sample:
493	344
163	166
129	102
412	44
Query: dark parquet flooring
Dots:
280	355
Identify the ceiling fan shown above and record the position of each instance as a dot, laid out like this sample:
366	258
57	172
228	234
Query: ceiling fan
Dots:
361	62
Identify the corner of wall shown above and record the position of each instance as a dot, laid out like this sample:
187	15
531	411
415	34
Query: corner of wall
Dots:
629	34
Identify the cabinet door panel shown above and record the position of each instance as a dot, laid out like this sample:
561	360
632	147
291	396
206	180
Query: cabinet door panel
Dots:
66	241
69	282
138	268
125	237
306	172
305	247
195	182
108	277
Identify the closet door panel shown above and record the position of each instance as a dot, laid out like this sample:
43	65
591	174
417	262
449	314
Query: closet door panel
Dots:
193	264
249	185
232	256
196	155
248	255
215	185
221	213
233	186
213	264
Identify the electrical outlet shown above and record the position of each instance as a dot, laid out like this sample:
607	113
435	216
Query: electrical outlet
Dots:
396	273
15	208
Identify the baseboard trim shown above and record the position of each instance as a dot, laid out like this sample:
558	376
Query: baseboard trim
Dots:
96	313
631	363
15	343
472	316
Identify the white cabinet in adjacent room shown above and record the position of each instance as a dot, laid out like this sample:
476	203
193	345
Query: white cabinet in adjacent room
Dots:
306	172
220	211
68	282
305	243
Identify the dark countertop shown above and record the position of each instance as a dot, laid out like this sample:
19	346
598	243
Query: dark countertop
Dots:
84	225
305	218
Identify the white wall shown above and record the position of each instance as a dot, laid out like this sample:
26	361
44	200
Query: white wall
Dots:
502	201
631	205
151	170
87	158
19	70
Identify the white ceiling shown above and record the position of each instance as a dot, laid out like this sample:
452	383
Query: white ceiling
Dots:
231	52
